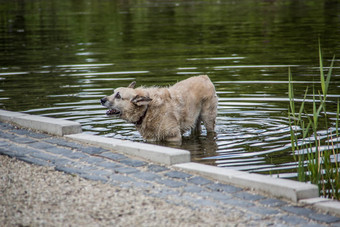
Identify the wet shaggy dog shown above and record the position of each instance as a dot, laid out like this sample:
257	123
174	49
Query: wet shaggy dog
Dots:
164	114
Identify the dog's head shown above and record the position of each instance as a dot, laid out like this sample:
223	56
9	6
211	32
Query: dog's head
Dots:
127	103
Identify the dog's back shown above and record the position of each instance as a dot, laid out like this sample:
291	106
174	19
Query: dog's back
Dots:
199	102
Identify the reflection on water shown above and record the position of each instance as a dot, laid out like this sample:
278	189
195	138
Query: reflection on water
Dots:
58	58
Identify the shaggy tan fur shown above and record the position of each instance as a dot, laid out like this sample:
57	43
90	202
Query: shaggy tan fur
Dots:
164	114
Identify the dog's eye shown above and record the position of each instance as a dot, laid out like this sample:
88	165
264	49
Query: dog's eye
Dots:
118	96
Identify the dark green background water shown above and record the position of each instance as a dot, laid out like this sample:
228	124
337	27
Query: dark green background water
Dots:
58	58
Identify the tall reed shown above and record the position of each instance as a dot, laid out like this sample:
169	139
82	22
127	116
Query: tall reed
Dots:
316	155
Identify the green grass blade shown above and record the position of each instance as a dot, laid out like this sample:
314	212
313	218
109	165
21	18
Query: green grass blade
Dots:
315	113
337	120
307	129
292	135
291	93
303	104
328	79
322	75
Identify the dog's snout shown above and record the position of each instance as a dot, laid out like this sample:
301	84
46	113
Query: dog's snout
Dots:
103	100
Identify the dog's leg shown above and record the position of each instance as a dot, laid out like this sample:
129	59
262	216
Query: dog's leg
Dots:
209	113
197	127
177	138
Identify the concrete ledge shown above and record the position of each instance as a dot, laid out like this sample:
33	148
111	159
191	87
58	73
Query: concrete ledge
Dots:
48	125
326	205
281	188
164	155
9	115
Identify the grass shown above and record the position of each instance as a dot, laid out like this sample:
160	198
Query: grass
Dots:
312	143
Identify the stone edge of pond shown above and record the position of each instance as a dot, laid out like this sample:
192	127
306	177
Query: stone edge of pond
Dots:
164	155
48	125
281	188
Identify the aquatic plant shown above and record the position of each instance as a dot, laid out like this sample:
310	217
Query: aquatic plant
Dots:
315	146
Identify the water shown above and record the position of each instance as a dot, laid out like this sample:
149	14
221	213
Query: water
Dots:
58	58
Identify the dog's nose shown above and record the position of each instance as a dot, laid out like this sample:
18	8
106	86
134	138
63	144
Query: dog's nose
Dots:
103	100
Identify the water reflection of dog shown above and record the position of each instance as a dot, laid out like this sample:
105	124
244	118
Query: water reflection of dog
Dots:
199	147
164	114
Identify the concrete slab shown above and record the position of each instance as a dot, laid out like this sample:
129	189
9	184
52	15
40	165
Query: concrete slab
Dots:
315	200
330	206
48	125
164	155
101	141
9	115
324	204
281	188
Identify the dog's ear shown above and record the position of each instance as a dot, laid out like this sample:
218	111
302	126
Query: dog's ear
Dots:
132	85
141	100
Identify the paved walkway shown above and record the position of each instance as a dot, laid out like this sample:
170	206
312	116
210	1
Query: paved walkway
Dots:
164	182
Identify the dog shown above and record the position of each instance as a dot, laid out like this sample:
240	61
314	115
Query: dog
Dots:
165	113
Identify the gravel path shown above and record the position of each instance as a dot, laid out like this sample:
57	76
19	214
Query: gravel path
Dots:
39	196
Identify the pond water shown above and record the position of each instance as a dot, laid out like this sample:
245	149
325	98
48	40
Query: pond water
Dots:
58	58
